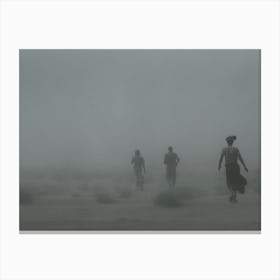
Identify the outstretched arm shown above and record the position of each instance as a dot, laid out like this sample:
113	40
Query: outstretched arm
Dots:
143	165
242	161
221	160
177	160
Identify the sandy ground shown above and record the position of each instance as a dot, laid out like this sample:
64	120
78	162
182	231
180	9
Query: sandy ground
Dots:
82	212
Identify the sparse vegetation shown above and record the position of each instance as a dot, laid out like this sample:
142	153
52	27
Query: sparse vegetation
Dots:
123	192
168	198
175	197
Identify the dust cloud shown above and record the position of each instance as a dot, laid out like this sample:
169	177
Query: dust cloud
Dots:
83	113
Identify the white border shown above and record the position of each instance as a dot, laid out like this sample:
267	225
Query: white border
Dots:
156	24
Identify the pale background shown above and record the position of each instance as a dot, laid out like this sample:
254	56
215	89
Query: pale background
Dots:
192	25
91	109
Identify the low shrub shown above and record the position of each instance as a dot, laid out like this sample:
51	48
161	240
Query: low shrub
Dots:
168	198
176	196
123	192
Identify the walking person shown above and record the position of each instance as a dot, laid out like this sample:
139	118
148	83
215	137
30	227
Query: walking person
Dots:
171	161
139	167
235	181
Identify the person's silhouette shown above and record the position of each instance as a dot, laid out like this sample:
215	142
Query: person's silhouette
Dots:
235	181
171	161
139	167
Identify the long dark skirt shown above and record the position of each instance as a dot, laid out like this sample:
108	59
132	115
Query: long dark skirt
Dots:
235	181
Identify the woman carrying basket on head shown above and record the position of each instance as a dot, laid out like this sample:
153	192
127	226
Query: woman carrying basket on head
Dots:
235	181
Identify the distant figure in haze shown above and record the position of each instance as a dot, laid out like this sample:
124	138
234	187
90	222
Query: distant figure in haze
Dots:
171	161
139	167
235	181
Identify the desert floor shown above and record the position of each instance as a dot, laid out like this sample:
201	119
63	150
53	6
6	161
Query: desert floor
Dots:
81	211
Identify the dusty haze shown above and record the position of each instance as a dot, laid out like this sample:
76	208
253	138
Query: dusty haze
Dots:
86	111
94	108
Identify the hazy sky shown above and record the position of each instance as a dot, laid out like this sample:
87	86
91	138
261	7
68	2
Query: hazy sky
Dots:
92	108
